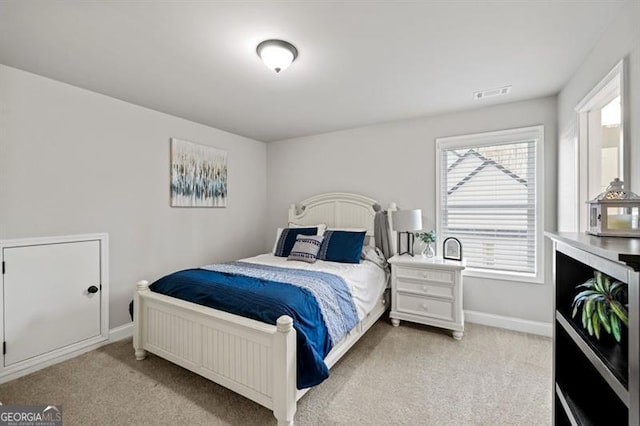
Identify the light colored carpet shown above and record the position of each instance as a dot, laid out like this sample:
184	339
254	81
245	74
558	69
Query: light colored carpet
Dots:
413	375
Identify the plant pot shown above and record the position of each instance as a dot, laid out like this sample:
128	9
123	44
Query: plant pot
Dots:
422	248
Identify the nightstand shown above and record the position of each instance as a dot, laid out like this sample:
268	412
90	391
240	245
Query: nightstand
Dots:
427	291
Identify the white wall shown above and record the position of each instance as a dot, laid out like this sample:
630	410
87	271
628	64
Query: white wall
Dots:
74	161
396	162
621	39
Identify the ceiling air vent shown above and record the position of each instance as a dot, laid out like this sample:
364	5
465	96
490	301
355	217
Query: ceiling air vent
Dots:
491	93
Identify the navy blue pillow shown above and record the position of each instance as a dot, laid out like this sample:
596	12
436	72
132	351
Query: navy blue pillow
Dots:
342	246
288	239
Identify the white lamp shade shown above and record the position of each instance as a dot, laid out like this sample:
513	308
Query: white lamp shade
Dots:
277	54
407	220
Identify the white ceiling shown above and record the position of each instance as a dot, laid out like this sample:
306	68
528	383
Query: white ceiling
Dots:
359	62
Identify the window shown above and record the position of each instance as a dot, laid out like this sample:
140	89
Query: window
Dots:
610	140
603	140
490	198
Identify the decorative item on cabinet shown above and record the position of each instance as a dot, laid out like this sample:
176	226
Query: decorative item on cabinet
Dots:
424	242
603	305
452	249
615	212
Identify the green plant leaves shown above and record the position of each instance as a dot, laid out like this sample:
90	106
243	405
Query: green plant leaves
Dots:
604	318
589	325
590	283
583	295
620	311
606	283
601	306
589	307
615	326
427	237
595	321
598	282
616	288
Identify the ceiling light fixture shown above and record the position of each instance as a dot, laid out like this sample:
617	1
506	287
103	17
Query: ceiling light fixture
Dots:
277	54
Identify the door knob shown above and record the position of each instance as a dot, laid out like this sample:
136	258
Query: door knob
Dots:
92	289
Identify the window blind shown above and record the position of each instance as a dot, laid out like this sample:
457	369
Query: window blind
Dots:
488	201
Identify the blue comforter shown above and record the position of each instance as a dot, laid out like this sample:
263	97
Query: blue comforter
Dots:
319	303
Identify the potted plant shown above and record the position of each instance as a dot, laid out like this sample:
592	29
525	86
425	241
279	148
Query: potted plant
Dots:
602	306
428	238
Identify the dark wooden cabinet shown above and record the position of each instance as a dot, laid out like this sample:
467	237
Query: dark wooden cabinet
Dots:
596	381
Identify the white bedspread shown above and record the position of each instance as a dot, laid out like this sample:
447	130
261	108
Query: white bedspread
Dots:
366	280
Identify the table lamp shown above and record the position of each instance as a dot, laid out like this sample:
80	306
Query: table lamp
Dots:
406	222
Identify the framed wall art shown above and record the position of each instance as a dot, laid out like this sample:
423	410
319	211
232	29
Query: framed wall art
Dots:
198	175
452	249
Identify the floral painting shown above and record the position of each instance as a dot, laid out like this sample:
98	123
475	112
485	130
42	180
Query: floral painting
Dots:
198	175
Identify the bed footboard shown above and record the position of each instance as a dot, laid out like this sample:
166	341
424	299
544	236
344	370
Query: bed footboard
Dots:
254	359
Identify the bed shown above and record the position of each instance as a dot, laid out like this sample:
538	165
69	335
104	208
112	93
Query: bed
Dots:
250	357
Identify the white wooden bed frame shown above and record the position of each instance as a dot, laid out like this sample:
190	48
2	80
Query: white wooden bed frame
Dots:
252	358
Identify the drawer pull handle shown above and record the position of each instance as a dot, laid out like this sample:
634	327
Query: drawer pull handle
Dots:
424	274
425	289
425	307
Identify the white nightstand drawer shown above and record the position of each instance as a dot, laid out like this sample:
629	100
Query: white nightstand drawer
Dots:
426	288
441	309
437	275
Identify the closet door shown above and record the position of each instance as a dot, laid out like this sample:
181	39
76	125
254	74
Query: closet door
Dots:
52	297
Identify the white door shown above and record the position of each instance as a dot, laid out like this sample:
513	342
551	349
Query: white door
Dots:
48	302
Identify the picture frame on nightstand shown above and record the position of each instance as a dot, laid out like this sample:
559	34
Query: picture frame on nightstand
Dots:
452	249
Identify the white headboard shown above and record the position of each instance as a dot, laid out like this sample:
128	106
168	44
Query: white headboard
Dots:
336	210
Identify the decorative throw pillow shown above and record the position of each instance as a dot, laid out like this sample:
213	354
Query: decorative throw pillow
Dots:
321	227
342	246
306	248
288	238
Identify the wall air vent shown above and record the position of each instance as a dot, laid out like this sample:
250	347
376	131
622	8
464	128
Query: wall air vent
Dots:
492	93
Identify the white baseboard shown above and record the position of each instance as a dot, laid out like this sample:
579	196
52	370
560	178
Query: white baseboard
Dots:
510	323
121	332
63	354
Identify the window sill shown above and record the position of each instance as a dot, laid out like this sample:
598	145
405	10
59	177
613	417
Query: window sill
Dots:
504	276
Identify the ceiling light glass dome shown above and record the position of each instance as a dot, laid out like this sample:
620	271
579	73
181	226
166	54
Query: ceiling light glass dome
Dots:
277	54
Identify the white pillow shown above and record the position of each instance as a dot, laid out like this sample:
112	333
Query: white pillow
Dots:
374	255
